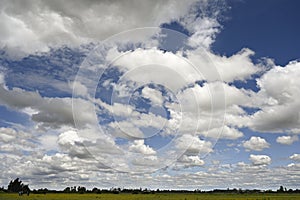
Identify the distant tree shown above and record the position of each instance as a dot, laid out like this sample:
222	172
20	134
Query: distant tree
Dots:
81	190
17	186
280	189
67	190
73	189
96	190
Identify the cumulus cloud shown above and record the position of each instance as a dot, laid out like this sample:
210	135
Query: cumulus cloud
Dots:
279	94
154	95
202	82
226	133
287	140
260	159
55	23
189	161
215	67
13	141
256	144
193	145
48	112
295	157
138	146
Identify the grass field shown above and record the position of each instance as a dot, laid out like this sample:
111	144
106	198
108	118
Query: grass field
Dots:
5	196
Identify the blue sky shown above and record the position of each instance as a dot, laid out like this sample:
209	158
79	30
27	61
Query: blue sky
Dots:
267	27
177	95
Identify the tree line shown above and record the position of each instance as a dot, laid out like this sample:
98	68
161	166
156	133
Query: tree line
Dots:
17	186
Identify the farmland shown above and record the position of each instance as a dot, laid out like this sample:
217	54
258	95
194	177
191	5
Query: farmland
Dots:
160	196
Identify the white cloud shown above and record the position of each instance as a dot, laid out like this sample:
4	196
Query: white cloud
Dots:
287	140
225	133
278	100
45	23
48	112
49	142
260	159
155	96
144	66
193	146
256	144
2	79
138	146
295	157
13	141
7	135
189	161
78	89
203	29
214	67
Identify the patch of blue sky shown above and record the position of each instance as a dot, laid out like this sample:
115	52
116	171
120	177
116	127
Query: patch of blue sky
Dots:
267	27
158	141
48	73
121	141
9	117
249	84
51	152
105	86
250	110
170	40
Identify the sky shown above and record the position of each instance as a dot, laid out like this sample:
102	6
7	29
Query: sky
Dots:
170	94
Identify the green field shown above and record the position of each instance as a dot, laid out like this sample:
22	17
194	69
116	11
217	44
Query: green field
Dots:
5	196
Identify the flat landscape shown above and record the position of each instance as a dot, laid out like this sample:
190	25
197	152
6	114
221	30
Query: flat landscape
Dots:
161	196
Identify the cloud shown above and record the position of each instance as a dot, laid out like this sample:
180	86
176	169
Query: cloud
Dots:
256	144
189	161
15	142
2	79
278	100
47	112
155	96
203	83
287	140
49	142
226	133
215	67
138	146
193	146
260	159
45	24
295	157
144	66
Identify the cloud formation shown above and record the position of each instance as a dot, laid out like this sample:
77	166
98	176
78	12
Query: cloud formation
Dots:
187	97
256	144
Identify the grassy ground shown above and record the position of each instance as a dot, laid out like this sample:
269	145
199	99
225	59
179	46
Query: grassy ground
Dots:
5	196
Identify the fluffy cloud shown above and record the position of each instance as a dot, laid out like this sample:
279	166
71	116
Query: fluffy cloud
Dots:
278	100
45	24
214	67
14	142
256	144
287	140
138	146
295	157
48	112
260	159
226	133
202	82
189	161
193	146
155	96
